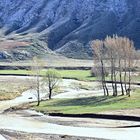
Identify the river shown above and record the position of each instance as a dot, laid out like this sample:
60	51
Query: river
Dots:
24	121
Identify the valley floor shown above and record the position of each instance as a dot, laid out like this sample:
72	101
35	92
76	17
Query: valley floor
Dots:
29	124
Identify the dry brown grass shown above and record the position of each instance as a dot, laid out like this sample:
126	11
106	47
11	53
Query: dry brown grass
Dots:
10	88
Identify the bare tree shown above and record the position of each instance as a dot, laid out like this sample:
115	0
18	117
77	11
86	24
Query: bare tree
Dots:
99	57
111	55
121	50
119	43
130	59
51	80
120	53
36	68
125	63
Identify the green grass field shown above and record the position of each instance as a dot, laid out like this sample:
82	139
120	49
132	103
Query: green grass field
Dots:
84	75
90	105
18	72
76	74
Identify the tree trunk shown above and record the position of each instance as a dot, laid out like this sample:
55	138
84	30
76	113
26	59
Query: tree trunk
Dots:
103	80
106	90
112	77
129	83
38	98
116	90
125	80
105	85
121	85
50	93
38	91
120	69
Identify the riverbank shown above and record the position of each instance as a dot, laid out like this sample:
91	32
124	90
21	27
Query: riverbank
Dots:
17	135
37	124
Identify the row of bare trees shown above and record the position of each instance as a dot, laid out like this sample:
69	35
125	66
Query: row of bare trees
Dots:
114	58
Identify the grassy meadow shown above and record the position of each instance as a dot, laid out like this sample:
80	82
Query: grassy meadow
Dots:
89	105
73	74
84	75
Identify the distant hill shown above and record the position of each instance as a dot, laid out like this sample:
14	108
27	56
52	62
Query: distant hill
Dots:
68	26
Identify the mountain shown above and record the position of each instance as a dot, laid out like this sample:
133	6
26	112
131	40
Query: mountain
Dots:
68	26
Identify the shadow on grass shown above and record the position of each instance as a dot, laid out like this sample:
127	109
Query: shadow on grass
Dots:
93	101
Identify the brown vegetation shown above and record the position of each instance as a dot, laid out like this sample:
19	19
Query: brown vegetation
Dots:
10	44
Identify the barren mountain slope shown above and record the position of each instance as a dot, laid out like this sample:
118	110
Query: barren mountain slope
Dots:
68	26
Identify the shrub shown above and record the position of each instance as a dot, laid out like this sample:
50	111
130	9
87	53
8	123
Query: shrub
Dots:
96	71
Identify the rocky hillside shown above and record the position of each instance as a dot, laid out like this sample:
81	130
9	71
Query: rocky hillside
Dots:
68	26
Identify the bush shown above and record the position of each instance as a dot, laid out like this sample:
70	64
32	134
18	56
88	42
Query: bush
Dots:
96	71
93	72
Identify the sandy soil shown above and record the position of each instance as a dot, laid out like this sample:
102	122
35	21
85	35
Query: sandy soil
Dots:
14	135
37	126
129	112
80	122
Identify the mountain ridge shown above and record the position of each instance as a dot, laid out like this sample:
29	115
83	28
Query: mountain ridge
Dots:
68	26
